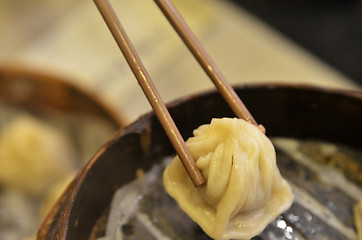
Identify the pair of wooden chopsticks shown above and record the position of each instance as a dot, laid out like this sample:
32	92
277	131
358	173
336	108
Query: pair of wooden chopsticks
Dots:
150	90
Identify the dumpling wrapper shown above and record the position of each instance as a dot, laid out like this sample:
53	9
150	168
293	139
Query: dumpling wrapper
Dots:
357	215
33	155
244	190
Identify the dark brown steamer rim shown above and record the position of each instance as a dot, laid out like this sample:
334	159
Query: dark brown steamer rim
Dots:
298	111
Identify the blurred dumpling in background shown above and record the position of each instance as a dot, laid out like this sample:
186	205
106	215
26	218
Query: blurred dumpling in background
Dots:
33	155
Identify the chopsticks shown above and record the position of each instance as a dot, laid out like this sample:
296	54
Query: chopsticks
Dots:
150	90
227	92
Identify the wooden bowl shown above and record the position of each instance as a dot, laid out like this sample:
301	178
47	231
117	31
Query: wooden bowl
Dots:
41	92
59	103
301	112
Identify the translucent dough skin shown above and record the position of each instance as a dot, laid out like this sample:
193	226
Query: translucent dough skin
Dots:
244	190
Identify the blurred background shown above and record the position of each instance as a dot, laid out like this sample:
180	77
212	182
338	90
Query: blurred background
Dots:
252	41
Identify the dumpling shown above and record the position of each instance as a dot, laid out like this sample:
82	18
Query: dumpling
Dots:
357	214
33	155
244	190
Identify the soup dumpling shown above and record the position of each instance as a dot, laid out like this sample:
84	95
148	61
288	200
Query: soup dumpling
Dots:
244	190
